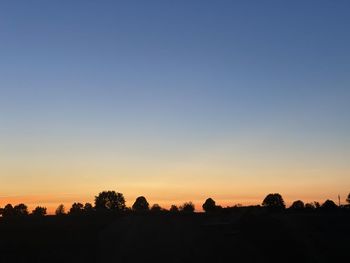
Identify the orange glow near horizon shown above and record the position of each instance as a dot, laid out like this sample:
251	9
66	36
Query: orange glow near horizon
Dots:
176	103
51	203
228	177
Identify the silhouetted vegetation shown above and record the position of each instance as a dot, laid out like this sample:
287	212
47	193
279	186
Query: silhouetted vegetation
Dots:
141	204
348	199
187	207
21	210
8	211
113	201
77	209
310	206
110	201
297	205
85	234
39	211
88	208
209	206
156	208
174	209
329	205
274	202
60	210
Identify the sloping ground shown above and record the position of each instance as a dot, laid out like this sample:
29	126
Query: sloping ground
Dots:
243	236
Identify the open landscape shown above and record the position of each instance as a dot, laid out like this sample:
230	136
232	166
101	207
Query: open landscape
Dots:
234	234
246	235
174	131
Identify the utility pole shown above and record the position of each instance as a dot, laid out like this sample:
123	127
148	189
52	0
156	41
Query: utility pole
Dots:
339	199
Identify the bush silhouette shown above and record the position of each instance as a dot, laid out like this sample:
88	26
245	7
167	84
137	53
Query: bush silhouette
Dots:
88	208
310	206
8	211
39	211
174	209
110	201
21	210
209	205
187	207
329	205
140	205
60	210
156	208
297	205
274	202
16	211
348	199
76	209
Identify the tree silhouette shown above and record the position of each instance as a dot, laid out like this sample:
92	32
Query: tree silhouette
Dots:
209	205
110	201
348	199
156	208
328	205
174	209
8	211
76	209
274	202
39	211
21	210
60	210
297	205
310	206
187	207
140	205
88	208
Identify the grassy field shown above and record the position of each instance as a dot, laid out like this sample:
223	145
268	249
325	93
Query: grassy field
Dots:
241	236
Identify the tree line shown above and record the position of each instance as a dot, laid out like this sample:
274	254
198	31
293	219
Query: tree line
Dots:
114	202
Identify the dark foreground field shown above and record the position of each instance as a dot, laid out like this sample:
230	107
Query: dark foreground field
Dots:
242	236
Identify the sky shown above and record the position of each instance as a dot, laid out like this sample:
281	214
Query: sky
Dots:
174	100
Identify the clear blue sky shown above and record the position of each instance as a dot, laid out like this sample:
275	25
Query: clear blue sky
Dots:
177	93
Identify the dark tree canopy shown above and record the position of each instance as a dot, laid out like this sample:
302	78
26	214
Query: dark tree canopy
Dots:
156	208
60	210
329	205
88	208
187	207
39	211
8	211
18	210
21	210
274	202
310	206
110	201
348	199
76	209
209	205
140	205
297	205
174	209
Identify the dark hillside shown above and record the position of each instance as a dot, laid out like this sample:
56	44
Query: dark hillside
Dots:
243	236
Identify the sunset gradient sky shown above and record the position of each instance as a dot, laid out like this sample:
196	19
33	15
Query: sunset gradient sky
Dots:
174	100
